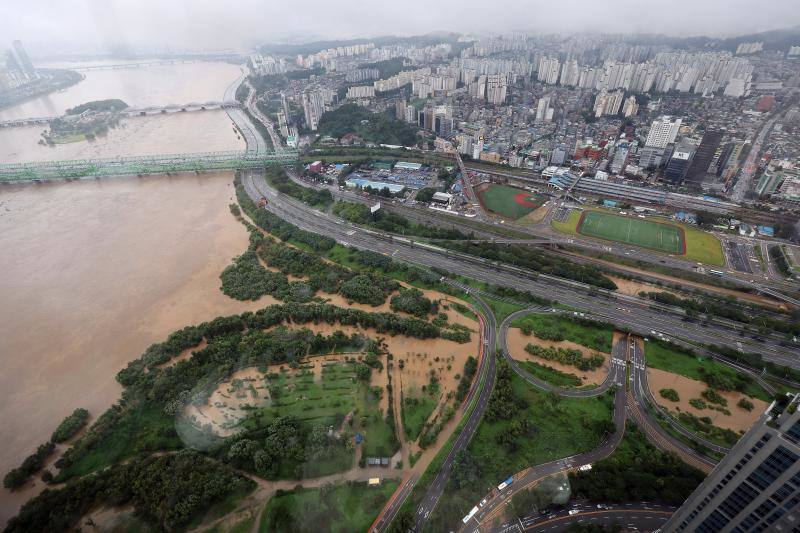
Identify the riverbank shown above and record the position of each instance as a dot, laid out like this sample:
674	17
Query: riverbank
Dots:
96	271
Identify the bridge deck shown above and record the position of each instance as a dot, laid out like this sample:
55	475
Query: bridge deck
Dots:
156	164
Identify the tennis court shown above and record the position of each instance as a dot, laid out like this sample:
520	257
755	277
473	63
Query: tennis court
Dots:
628	229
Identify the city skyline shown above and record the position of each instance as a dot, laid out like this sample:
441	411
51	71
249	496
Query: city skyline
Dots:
212	25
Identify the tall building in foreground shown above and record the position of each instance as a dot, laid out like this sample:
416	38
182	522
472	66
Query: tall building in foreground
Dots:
756	487
702	159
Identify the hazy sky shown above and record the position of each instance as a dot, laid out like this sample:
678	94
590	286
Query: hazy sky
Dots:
217	24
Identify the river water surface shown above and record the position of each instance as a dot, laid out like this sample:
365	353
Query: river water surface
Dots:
94	271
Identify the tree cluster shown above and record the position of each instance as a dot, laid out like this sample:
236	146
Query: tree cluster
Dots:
566	356
278	178
413	302
373	127
637	472
166	491
70	425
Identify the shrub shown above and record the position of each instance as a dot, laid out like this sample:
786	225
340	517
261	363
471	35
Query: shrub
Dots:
670	394
745	404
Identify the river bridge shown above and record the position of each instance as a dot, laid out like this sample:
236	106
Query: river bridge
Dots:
141	165
134	112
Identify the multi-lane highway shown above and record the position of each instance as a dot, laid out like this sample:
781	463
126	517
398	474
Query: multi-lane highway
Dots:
638	516
616	374
496	500
484	392
626	312
638	401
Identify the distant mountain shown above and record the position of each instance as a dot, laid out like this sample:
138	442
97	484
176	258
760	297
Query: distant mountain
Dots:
773	40
316	46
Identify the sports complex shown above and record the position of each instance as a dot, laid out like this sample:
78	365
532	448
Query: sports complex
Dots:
509	202
645	233
659	235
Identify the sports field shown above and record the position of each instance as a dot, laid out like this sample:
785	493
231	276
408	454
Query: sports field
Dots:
509	202
645	233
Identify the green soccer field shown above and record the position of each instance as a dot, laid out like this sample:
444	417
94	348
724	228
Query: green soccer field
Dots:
645	233
510	202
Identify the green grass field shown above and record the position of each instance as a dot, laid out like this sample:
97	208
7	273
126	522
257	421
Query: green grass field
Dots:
510	202
563	328
341	508
417	408
631	230
700	246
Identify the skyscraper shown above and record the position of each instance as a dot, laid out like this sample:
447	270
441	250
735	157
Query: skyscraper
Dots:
313	107
703	157
678	164
756	487
663	132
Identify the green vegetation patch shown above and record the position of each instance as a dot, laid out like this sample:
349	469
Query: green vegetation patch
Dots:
417	409
169	492
659	236
637	471
336	508
510	202
522	426
670	358
372	127
551	375
589	333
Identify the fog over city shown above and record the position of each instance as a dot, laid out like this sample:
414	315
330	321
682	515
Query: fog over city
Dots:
213	24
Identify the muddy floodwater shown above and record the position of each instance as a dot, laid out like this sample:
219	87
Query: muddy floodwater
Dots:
92	273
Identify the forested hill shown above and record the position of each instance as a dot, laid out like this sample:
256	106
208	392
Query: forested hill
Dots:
372	127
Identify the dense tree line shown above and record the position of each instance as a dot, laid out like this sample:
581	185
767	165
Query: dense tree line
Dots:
566	356
373	127
70	426
536	260
166	491
637	471
368	288
465	382
503	403
392	223
277	177
413	302
30	465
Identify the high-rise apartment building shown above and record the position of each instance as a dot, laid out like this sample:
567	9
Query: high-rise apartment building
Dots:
549	70
663	132
756	486
314	101
631	107
496	89
544	113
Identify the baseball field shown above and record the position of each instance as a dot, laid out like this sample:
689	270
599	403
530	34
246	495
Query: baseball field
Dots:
509	202
628	229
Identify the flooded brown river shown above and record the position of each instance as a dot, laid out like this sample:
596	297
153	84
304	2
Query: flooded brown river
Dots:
94	271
